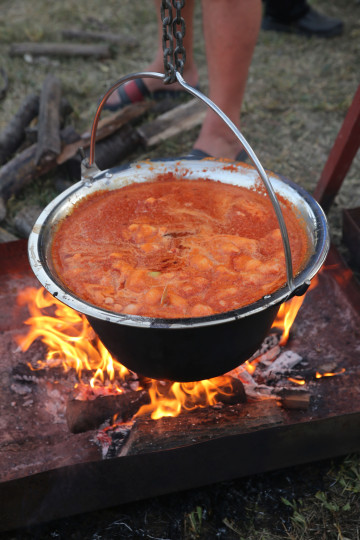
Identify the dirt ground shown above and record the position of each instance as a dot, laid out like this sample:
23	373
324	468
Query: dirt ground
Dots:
299	90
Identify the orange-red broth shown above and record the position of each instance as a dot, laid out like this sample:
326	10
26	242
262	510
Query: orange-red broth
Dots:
176	248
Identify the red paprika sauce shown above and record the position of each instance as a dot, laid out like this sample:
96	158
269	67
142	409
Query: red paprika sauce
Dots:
176	248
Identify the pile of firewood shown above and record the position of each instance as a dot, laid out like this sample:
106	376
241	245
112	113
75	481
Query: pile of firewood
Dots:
40	138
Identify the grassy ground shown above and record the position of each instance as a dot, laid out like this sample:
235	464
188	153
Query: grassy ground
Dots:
298	93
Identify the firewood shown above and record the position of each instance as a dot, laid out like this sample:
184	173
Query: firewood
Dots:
4	89
14	133
184	117
49	144
294	399
237	394
21	170
6	236
110	151
86	415
2	209
60	49
24	220
106	127
126	41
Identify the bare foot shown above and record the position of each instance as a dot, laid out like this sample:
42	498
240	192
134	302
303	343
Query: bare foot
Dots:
216	138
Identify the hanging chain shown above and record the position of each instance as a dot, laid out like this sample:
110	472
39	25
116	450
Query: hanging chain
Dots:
174	60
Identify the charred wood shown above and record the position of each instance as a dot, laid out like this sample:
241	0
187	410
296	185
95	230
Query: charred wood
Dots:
14	133
86	415
236	395
49	143
294	399
60	49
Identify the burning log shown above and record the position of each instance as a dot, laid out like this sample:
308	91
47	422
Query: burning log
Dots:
237	394
14	133
90	414
49	144
60	49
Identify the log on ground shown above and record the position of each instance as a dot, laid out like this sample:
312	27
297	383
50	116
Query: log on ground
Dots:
86	415
49	144
60	49
14	133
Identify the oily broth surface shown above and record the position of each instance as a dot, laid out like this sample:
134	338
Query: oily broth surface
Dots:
176	248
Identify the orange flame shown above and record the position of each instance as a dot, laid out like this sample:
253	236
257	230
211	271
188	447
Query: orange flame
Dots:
288	312
70	340
72	343
300	382
171	401
319	375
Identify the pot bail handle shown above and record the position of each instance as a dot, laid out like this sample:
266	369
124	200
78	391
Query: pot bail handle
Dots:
89	168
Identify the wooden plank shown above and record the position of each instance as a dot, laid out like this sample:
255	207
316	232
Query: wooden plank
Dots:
341	156
96	485
180	119
60	49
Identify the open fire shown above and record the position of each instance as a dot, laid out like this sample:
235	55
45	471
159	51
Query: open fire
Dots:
284	422
72	344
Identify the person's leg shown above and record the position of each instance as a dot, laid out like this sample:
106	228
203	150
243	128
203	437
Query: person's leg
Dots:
190	72
231	29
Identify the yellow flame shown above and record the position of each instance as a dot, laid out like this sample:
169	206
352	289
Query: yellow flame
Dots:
288	312
72	343
69	338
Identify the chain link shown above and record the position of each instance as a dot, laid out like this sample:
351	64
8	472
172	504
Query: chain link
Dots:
174	60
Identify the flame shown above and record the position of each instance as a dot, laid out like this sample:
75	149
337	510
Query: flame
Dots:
288	312
300	382
171	401
319	375
72	343
69	338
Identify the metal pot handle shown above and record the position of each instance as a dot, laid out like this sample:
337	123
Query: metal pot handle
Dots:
89	168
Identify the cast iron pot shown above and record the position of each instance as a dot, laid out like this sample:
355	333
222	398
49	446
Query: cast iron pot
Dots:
180	349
